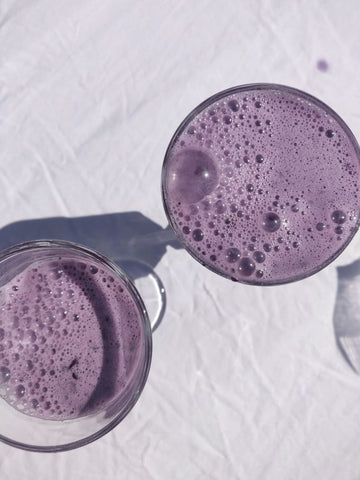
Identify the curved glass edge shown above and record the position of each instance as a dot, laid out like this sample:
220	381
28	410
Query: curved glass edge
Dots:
38	244
247	88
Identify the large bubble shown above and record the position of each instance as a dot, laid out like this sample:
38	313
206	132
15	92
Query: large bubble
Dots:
192	175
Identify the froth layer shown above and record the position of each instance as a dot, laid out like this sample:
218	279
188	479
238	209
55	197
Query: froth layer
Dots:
262	186
70	339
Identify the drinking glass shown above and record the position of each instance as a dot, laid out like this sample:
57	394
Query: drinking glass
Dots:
75	345
260	184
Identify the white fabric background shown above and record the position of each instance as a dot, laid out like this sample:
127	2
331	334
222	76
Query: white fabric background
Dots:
246	383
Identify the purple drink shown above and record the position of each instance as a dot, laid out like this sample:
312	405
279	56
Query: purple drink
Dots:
72	337
261	184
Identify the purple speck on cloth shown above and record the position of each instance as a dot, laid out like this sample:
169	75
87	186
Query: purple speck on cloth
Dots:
322	65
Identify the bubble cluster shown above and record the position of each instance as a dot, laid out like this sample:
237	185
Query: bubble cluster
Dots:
69	339
273	181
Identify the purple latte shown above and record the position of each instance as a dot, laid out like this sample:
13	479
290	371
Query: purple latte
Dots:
261	184
70	339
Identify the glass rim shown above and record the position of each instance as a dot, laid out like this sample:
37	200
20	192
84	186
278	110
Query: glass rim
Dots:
145	323
217	97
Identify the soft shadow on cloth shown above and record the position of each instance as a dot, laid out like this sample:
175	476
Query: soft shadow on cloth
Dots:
346	319
122	237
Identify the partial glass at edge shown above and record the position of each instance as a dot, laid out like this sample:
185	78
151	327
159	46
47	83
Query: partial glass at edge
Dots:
260	184
29	431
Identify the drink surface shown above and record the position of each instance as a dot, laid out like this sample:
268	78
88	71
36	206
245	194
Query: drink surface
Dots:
70	339
262	185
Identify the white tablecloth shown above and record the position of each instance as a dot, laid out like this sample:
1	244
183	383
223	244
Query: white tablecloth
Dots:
246	382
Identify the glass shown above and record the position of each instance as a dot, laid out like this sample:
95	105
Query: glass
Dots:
260	184
75	345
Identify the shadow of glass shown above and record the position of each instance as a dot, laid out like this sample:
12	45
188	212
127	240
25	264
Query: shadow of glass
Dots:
129	239
119	236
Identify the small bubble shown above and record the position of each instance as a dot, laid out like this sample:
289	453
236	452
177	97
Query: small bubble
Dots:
5	375
258	104
229	172
31	336
259	158
191	130
339	230
246	266
198	235
259	257
329	133
338	216
259	273
294	208
320	226
232	255
15	288
227	119
186	230
295	244
20	391
250	187
271	222
206	204
93	269
220	207
233	105
56	274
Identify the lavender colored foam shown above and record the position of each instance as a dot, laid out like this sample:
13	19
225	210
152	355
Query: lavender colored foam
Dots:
261	184
70	339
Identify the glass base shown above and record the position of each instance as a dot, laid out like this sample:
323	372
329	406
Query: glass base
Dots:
150	287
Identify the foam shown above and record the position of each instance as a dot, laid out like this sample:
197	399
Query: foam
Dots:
70	337
281	177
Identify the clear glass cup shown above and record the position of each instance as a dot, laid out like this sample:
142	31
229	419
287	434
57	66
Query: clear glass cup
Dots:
261	182
75	345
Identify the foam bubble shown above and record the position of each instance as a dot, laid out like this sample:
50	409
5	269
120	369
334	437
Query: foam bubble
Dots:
5	375
246	266
271	222
338	216
232	255
198	235
259	257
